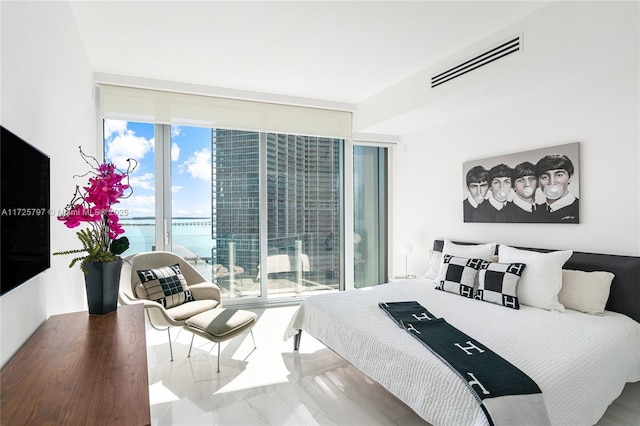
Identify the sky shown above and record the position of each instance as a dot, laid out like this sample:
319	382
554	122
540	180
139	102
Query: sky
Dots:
190	167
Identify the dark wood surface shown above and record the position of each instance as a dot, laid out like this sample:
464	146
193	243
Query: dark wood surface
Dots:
80	369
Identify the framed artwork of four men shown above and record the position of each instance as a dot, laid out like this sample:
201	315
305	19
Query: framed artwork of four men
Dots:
538	186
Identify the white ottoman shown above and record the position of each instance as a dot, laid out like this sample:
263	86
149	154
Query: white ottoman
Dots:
220	324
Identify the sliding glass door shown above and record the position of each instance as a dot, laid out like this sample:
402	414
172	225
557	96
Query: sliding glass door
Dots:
304	214
370	165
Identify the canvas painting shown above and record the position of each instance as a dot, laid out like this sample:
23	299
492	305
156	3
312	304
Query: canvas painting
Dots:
537	186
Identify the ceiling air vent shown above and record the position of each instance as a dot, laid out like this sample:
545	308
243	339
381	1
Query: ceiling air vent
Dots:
505	49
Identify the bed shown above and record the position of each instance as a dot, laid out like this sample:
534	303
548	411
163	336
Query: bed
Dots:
580	361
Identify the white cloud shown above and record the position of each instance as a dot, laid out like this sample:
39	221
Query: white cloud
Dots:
176	188
114	126
145	181
137	205
203	210
176	130
175	152
123	143
199	164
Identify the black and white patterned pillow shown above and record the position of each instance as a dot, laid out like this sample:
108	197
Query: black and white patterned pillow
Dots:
458	274
165	285
499	283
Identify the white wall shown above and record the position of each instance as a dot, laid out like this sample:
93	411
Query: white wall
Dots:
47	99
582	59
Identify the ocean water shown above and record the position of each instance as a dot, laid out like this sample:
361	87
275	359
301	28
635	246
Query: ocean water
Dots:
190	235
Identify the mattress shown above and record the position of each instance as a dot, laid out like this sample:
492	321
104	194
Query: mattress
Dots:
580	362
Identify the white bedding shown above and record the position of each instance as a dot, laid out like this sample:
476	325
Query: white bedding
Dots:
580	362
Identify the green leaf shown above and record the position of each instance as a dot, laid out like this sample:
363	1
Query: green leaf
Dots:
119	245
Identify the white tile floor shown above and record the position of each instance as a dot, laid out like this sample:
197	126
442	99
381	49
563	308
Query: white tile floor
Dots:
273	385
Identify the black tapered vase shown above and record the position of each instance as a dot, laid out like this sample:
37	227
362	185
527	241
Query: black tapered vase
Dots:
102	281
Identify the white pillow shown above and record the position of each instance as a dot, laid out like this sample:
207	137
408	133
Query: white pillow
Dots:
542	279
585	291
474	251
435	259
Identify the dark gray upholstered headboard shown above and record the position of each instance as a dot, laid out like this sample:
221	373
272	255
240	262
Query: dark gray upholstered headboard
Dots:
625	288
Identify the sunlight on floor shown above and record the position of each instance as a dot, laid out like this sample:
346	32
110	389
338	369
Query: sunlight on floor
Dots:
159	394
269	385
274	385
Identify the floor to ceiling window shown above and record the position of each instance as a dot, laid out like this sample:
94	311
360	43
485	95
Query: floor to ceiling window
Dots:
304	213
188	195
370	215
123	140
230	201
236	212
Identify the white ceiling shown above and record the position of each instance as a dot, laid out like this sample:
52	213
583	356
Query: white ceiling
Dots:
327	50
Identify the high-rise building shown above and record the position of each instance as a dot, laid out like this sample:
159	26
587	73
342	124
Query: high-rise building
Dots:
236	197
303	201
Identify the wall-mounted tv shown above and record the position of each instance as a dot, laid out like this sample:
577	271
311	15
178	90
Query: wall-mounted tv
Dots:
24	211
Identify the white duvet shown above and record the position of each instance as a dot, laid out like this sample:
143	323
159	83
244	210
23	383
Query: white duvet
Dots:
580	362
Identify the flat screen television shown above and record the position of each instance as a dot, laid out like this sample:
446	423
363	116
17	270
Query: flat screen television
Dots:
24	211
